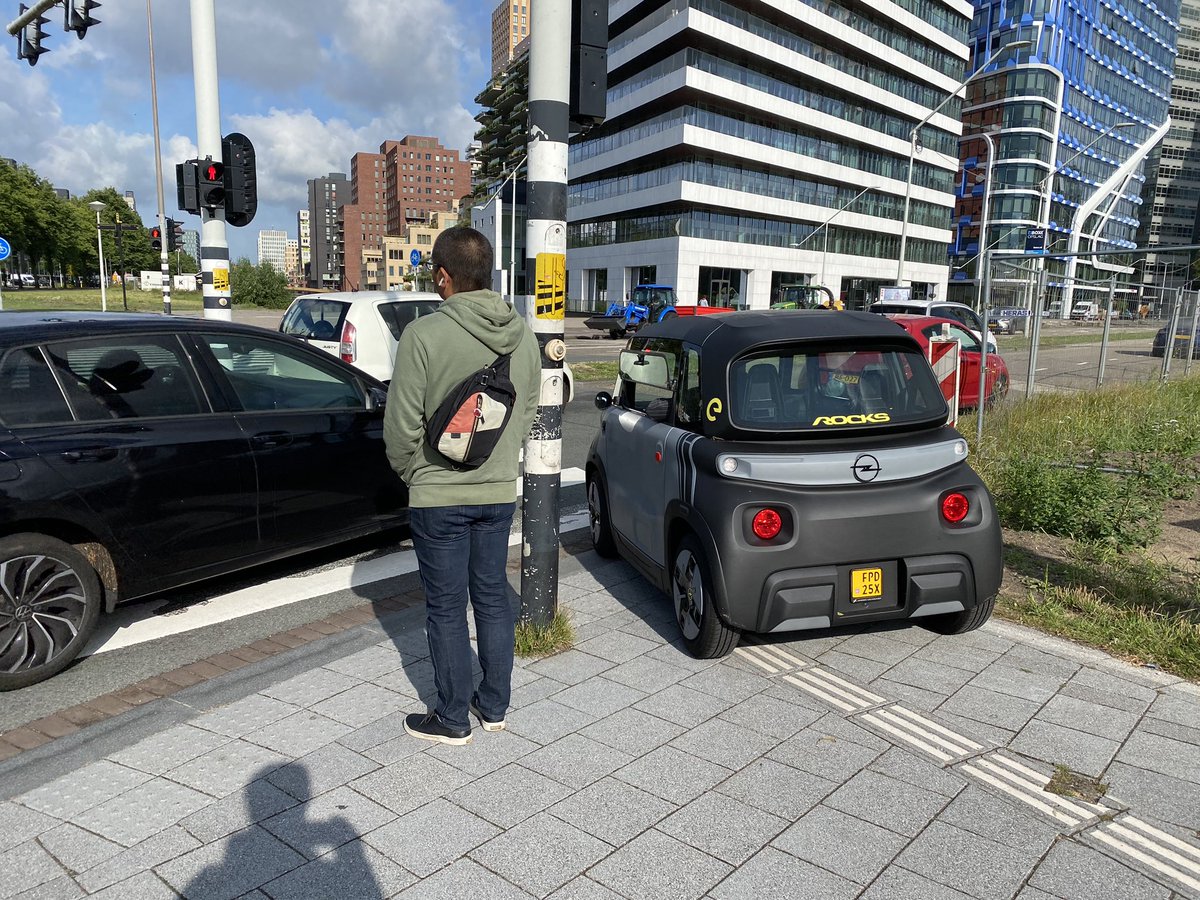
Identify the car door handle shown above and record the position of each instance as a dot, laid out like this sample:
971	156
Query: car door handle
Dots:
270	439
90	454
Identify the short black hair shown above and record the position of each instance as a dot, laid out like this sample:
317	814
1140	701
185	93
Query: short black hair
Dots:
467	255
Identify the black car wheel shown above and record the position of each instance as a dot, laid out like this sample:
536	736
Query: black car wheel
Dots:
962	622
704	634
49	605
615	333
602	536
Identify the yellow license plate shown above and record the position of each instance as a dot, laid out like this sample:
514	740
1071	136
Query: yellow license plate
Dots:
866	584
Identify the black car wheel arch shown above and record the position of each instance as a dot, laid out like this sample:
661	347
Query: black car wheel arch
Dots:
49	604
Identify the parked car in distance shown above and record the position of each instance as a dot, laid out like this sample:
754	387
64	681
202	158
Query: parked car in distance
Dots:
140	453
1085	311
363	328
923	328
775	471
1186	331
960	312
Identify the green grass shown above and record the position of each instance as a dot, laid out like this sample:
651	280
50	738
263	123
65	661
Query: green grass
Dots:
88	299
1013	343
543	640
595	371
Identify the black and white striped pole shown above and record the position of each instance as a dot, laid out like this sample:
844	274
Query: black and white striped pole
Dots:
545	306
214	248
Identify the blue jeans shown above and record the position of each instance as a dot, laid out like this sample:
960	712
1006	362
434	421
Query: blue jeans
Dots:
461	550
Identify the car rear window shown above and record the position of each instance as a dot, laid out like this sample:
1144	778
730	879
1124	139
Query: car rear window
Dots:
315	319
400	314
815	390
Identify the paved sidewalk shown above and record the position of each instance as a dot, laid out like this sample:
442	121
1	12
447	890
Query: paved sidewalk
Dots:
886	764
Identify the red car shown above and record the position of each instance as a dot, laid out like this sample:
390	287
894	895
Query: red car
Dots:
924	327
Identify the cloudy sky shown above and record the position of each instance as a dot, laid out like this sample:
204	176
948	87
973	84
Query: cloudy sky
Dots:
310	82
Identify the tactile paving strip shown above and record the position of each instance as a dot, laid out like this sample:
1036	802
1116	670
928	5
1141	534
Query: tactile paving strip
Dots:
772	660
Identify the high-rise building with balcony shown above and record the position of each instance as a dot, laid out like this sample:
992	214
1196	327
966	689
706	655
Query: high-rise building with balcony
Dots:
754	150
304	240
421	177
510	26
325	196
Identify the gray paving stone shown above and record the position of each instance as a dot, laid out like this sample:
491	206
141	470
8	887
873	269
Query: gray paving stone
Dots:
509	795
981	732
683	706
1032	893
769	716
1119	692
25	867
583	888
679	872
914	770
400	747
146	886
991	707
843	844
617	646
298	734
243	716
531	692
1004	679
1176	706
646	674
895	805
853	668
519	854
673	775
19	823
575	760
322	770
880	647
632	731
354	871
989	639
816	751
726	683
412	644
547	720
1072	870
774	875
929	674
413	679
463	879
164	751
1090	718
66	797
777	788
382	730
967	862
229	768
164	846
361	705
311	687
675	654
958	654
653	627
486	753
143	811
571	666
411	783
431	837
599	697
833	725
231	867
257	801
723	827
612	810
1031	659
1161	795
998	819
1168	729
897	883
724	743
370	663
1056	745
62	888
77	850
327	822
915	698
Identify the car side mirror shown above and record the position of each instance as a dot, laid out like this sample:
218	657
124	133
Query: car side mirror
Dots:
376	397
603	400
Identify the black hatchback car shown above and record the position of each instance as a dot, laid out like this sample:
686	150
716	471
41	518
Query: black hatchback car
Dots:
1187	335
141	452
788	470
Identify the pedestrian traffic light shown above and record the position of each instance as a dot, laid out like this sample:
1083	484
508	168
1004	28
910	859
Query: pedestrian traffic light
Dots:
156	238
78	16
174	233
29	38
212	183
589	63
241	179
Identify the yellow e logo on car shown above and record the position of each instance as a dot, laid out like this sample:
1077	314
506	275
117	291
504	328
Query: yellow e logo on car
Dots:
714	409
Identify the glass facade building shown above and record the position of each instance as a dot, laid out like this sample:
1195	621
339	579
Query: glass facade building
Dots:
1072	124
753	147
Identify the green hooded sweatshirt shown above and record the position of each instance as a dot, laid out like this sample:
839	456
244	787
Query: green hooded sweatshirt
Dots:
436	353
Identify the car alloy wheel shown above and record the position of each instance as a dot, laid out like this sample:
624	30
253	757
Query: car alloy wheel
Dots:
601	530
687	592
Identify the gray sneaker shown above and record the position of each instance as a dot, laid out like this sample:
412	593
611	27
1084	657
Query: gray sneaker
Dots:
486	723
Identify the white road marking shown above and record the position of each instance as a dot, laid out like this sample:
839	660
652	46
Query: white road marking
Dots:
128	627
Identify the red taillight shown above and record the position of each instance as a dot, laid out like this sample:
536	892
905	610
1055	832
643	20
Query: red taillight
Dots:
955	507
349	349
767	524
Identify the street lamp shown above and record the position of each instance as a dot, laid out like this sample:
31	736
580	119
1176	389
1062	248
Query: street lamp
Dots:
1044	186
912	144
95	206
983	227
824	227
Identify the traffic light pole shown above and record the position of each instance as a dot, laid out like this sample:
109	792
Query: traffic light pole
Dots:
214	248
545	273
164	259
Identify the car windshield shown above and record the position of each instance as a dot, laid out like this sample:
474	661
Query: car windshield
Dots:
315	318
647	296
810	389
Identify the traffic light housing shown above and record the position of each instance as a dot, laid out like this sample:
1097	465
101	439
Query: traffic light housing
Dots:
187	185
174	233
77	16
589	63
241	179
30	37
212	183
156	238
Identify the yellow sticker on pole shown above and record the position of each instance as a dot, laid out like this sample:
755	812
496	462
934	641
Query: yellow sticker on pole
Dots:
551	275
220	279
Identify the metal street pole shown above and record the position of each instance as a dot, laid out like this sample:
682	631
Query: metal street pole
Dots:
982	303
164	261
121	265
1035	330
95	206
1112	293
985	284
214	249
545	305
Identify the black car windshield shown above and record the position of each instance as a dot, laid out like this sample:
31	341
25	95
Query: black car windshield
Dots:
810	389
315	319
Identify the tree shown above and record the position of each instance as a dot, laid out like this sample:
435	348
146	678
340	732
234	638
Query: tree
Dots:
182	262
261	285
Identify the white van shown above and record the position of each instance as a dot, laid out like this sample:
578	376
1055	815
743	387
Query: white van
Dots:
1085	311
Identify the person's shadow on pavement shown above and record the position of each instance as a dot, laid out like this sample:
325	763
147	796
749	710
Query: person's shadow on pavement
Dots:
254	856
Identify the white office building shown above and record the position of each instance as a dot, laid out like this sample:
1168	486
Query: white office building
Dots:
750	148
272	248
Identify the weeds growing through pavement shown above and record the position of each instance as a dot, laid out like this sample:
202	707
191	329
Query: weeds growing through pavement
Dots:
538	640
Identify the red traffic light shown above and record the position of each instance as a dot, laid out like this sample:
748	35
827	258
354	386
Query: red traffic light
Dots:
155	233
214	171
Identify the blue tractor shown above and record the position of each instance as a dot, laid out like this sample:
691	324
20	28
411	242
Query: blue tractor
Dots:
648	303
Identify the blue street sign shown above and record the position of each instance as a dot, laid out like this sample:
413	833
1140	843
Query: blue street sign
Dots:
1035	240
415	258
5	250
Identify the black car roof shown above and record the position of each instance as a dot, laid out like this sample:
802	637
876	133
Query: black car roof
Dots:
24	326
730	334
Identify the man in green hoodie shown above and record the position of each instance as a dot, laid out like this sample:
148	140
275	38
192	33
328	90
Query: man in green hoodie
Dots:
461	517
